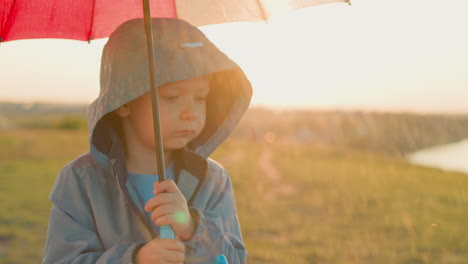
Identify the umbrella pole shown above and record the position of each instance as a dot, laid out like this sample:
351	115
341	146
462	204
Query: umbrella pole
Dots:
154	92
164	231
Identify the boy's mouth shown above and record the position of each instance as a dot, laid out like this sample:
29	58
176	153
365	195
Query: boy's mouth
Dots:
184	132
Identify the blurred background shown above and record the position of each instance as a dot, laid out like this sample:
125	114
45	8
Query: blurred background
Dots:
356	140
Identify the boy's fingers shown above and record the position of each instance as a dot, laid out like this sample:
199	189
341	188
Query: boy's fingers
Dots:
162	210
165	220
173	256
173	244
163	198
165	186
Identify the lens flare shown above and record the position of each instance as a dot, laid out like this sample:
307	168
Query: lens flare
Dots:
181	217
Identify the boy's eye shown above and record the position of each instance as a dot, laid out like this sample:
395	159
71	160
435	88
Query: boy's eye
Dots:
201	98
171	98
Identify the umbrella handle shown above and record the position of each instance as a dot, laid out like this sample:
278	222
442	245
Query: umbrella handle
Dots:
166	232
221	259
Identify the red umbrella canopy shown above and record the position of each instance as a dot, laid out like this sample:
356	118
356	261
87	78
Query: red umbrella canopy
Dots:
92	19
79	19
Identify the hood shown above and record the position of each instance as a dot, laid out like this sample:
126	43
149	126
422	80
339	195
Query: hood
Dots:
182	52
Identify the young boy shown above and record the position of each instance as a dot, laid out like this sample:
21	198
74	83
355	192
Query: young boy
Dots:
107	205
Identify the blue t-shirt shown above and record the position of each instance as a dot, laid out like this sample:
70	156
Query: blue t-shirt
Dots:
143	186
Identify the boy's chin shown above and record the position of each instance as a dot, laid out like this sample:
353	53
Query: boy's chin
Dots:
179	144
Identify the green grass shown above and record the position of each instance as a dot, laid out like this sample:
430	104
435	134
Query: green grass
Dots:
29	163
360	208
345	207
60	121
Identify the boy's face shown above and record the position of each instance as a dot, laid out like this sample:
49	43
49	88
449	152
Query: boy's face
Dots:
182	111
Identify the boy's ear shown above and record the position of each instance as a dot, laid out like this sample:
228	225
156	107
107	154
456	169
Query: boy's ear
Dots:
123	111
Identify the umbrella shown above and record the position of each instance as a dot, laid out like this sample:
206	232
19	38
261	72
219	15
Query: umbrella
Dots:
91	19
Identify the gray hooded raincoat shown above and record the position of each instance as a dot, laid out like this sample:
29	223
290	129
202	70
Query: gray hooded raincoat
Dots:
93	217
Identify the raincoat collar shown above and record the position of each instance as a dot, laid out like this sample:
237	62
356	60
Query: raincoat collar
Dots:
189	167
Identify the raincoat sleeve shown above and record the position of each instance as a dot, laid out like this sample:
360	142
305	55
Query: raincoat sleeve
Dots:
71	235
218	230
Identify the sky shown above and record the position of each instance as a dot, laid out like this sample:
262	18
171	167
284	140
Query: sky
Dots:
377	55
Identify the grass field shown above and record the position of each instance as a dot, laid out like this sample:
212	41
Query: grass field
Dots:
296	203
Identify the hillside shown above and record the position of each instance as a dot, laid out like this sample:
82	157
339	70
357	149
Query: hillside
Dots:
388	133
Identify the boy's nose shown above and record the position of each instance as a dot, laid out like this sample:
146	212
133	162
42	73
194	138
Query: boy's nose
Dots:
187	113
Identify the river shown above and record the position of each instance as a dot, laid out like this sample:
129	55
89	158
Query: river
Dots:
451	157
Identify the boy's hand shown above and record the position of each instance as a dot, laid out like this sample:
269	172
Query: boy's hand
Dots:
161	251
170	208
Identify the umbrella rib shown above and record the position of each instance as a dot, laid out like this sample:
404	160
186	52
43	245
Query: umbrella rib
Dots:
7	20
92	22
264	17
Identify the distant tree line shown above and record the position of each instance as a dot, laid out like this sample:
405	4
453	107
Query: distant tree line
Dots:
390	133
42	116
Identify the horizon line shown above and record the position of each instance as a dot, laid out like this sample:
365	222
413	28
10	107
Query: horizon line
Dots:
362	108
